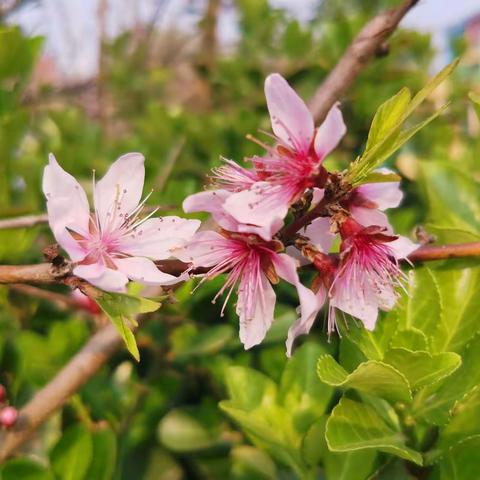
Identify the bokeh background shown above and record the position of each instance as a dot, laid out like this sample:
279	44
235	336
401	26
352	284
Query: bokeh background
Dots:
182	82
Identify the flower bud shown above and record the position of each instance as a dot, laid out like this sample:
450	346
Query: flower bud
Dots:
8	417
3	394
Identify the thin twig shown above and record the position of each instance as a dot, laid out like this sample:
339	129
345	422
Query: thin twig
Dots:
24	221
59	299
365	46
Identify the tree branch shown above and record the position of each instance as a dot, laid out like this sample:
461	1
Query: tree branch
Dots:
76	373
23	222
368	43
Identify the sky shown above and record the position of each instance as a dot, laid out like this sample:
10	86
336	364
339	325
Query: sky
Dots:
71	27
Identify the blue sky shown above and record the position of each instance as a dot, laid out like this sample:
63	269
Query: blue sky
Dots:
72	31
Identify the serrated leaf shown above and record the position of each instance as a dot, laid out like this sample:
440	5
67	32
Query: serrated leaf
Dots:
436	407
357	465
421	368
355	426
373	377
71	456
122	310
411	338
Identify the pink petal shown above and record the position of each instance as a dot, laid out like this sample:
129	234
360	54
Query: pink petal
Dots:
157	237
370	216
67	207
120	190
330	132
384	195
318	194
110	280
143	270
89	272
291	120
262	206
208	201
403	247
254	328
304	324
319	234
286	268
206	249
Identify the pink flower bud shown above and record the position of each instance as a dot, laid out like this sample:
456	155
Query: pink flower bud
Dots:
3	394
8	417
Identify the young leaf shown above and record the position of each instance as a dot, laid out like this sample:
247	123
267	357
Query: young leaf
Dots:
122	310
421	368
104	458
354	426
380	177
386	135
373	377
25	469
475	99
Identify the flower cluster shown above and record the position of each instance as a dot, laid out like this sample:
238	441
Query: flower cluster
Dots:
250	207
252	243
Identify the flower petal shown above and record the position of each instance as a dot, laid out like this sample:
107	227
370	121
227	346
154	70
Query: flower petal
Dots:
143	270
291	120
261	206
253	328
286	268
110	280
370	216
384	195
330	132
61	188
119	192
157	237
402	247
206	249
90	271
319	234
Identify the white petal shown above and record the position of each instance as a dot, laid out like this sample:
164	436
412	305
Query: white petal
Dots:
319	234
384	195
291	120
157	237
110	280
89	272
120	190
402	247
330	132
143	270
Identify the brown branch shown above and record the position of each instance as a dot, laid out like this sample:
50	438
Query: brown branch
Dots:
368	43
444	252
24	221
76	373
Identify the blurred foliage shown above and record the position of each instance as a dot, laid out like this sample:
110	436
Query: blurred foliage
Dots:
401	402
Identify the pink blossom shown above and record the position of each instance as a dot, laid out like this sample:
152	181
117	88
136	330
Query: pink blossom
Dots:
367	202
291	166
252	265
368	276
113	244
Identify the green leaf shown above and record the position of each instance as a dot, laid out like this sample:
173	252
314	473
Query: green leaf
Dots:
314	446
436	407
422	368
419	306
122	310
386	134
387	117
71	456
182	432
249	463
356	465
411	338
459	291
475	99
104	454
373	377
460	462
354	426
379	177
24	469
300	390
373	344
